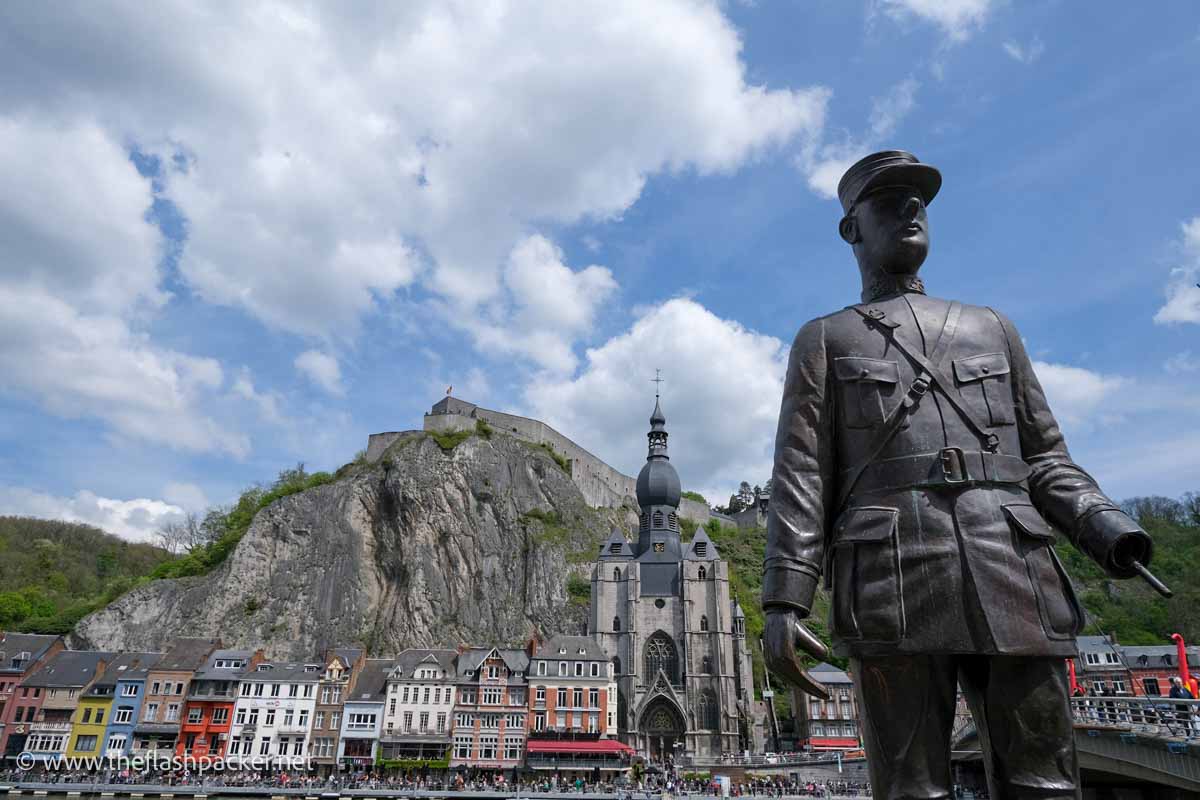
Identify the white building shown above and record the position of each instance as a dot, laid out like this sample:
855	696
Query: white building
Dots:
420	703
274	711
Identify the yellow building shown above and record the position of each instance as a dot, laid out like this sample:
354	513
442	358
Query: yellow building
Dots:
89	723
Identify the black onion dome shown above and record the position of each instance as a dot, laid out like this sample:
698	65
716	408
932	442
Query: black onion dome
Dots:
658	484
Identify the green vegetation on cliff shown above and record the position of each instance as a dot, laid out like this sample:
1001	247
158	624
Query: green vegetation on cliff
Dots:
53	573
227	525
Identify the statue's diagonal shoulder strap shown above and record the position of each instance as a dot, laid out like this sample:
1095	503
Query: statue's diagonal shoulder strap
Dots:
877	319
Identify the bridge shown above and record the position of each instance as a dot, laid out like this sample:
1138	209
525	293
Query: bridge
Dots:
1145	744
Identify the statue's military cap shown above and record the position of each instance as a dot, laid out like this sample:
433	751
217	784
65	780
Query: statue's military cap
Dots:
887	168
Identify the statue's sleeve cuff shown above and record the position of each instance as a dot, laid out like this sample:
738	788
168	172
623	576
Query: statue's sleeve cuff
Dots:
1111	537
789	584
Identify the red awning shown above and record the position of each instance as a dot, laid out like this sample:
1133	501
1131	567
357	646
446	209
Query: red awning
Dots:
602	746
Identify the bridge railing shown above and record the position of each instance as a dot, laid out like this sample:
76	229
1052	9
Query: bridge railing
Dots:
1163	717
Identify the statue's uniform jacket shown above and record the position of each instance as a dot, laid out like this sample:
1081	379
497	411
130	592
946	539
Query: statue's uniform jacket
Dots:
942	547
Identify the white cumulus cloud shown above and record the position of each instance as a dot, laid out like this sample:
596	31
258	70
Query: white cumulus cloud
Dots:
824	164
1076	395
326	161
79	272
544	307
1183	293
135	520
324	143
721	394
958	19
322	369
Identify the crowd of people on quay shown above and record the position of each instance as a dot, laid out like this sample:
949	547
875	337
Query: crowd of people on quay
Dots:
655	787
622	788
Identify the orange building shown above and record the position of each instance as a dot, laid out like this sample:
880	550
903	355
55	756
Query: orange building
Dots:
208	713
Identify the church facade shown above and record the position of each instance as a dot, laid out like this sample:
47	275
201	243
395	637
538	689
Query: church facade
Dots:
661	610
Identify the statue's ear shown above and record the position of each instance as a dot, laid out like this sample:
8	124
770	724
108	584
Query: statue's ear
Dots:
848	228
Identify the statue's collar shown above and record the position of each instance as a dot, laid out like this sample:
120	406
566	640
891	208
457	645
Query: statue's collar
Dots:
886	285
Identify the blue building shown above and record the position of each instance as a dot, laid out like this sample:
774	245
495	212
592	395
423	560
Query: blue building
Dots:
127	675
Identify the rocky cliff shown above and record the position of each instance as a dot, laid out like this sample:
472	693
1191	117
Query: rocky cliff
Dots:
481	542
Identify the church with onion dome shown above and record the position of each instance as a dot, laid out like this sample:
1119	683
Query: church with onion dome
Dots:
662	611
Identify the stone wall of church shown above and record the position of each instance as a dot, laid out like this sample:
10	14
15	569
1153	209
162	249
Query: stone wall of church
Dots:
682	618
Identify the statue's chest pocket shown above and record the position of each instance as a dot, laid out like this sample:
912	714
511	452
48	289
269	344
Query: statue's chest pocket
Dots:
984	382
868	387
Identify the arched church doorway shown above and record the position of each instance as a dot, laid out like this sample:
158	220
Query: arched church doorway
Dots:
663	727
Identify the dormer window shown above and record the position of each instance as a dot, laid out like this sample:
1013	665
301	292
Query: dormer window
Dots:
311	667
562	651
701	549
264	668
615	547
582	651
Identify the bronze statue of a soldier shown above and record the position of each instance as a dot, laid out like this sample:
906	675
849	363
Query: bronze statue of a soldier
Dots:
919	470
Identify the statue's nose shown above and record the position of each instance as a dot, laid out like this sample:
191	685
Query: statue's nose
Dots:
911	207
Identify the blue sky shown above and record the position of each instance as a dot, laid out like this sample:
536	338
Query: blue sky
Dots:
237	237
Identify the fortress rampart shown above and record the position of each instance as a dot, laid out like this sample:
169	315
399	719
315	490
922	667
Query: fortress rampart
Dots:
601	484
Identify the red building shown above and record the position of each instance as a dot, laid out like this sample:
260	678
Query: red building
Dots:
572	700
21	655
208	714
490	710
1152	668
828	724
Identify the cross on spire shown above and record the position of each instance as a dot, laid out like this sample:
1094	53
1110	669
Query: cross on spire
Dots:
656	380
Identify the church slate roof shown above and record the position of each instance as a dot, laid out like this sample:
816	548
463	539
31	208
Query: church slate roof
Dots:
702	548
616	546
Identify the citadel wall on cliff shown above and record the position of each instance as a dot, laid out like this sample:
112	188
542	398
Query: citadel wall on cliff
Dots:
602	486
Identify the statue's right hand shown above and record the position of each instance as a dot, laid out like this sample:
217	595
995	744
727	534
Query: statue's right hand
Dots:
783	634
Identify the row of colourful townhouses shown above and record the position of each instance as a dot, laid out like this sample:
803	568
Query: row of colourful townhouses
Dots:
548	706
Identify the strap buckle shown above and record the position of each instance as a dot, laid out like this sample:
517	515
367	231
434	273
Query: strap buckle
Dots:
954	466
919	386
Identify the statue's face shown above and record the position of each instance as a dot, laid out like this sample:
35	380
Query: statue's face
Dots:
892	230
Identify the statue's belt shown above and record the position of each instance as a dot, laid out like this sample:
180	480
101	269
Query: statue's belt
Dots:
949	467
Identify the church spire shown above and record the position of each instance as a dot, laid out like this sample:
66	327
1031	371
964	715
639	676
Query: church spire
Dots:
658	424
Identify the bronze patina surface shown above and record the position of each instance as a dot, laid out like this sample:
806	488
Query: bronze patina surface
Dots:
920	472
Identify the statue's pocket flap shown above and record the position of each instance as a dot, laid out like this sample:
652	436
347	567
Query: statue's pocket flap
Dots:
854	368
988	365
866	524
1028	521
